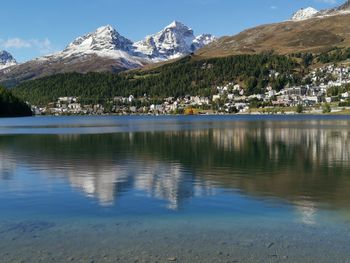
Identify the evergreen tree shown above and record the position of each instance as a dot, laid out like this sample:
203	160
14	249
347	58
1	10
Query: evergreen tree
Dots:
11	106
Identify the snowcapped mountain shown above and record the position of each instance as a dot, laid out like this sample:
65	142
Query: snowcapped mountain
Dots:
105	42
304	13
105	50
310	12
6	60
104	38
174	41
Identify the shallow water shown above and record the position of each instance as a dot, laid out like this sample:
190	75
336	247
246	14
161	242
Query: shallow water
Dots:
190	189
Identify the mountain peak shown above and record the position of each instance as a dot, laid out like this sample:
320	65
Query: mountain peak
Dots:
174	41
307	13
176	24
106	28
5	54
304	13
6	60
104	38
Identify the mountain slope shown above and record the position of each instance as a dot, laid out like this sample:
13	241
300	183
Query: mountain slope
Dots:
6	60
311	35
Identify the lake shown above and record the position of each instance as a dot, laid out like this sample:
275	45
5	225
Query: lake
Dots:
175	189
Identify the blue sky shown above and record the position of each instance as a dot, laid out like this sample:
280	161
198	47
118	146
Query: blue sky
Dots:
33	28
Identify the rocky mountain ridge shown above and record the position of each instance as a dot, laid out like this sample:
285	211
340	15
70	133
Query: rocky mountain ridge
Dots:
6	60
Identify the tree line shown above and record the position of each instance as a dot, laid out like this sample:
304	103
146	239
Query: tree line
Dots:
188	76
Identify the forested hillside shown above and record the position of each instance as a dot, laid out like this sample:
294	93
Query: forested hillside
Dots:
11	106
188	76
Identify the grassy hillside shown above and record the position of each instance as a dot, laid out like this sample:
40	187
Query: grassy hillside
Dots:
313	35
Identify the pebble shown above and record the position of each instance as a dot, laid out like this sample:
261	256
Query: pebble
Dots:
172	259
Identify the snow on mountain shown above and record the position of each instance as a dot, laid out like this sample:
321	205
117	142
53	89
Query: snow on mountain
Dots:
105	50
307	13
6	60
104	38
104	42
304	13
174	41
203	40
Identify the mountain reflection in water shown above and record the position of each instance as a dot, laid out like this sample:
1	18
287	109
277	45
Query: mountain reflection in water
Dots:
308	167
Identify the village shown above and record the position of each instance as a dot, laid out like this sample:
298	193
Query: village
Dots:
327	90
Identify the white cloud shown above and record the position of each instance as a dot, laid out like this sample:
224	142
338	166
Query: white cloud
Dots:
44	46
15	43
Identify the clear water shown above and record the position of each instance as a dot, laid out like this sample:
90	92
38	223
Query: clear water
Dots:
190	189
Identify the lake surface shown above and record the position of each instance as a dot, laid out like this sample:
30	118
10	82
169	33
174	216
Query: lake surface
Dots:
160	189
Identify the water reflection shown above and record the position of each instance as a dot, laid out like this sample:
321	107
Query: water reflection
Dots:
307	211
306	166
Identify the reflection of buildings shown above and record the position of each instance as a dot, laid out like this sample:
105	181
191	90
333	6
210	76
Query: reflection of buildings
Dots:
7	166
323	141
322	145
325	145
